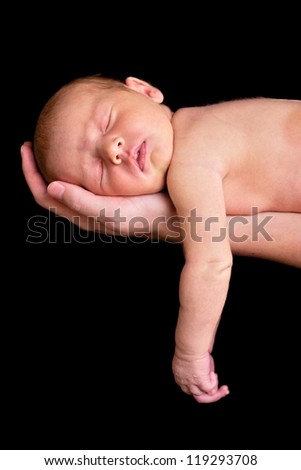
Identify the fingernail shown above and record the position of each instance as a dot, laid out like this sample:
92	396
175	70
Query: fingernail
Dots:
56	190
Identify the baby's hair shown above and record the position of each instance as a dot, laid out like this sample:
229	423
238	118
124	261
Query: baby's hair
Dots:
47	121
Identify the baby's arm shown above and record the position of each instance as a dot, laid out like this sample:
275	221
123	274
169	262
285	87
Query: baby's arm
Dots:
204	280
279	240
86	209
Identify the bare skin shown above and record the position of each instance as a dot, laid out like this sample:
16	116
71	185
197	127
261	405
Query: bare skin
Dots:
244	154
237	162
83	207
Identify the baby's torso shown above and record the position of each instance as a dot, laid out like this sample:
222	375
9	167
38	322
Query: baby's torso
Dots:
254	144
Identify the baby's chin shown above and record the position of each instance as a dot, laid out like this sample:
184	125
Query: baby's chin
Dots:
130	192
126	193
123	194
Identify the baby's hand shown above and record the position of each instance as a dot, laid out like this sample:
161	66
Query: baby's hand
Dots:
196	377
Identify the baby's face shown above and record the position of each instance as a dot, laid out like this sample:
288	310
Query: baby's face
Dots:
119	142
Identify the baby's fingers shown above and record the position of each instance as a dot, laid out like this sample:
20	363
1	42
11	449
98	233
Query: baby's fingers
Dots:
212	397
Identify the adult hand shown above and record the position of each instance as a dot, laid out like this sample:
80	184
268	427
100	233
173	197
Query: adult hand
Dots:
152	215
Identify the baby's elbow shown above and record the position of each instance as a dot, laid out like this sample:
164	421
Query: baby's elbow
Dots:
220	266
209	264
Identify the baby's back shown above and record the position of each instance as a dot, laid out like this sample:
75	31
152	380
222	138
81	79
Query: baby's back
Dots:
255	145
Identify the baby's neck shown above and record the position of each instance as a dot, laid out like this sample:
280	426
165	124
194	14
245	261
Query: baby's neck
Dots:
167	110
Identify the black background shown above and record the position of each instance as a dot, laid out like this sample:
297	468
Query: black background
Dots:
88	328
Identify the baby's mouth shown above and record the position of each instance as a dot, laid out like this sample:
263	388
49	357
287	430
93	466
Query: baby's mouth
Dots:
141	156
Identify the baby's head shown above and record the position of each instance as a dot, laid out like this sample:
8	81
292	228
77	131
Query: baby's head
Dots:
109	137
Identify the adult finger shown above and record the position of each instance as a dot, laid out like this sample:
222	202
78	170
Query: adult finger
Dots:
31	173
38	186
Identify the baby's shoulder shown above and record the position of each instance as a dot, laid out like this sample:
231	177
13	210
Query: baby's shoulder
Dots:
231	119
207	125
203	119
184	118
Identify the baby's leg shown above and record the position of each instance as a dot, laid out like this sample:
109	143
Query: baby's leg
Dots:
275	236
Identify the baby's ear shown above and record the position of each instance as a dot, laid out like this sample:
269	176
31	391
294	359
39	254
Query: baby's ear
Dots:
145	88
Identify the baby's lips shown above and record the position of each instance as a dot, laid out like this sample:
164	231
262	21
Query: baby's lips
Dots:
141	156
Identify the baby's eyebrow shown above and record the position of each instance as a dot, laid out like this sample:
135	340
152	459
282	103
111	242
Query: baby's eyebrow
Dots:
85	143
82	144
92	127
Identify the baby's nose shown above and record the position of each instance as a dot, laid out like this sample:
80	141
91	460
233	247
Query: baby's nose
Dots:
116	151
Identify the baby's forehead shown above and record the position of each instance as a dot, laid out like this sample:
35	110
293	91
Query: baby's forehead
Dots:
82	97
77	116
81	93
78	101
